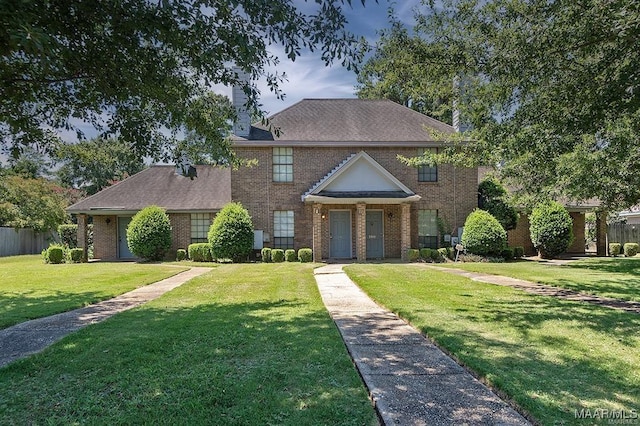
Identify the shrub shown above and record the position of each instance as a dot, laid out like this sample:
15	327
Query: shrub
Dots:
265	253
305	255
413	255
231	233
425	253
290	255
614	249
54	254
630	249
551	229
75	255
436	256
508	253
471	258
68	235
483	235
445	252
149	233
200	252
277	255
518	252
493	197
181	254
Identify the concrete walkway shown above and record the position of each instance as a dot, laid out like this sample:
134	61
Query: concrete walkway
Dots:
410	380
542	289
27	338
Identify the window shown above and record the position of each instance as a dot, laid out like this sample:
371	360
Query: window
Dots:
428	229
283	229
428	173
200	223
283	164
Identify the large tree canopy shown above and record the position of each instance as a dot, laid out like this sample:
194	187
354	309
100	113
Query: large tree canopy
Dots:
136	69
552	89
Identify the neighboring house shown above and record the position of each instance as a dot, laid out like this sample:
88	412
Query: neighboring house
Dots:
190	204
631	216
328	178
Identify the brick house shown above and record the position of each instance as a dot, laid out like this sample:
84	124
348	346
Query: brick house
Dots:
328	178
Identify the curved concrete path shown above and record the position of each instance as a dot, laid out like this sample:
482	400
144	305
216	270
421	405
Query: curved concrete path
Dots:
410	380
30	337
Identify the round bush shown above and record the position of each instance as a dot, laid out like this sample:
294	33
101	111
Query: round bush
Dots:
181	254
277	255
54	254
483	235
551	229
413	255
518	252
425	253
75	255
231	233
614	249
630	249
305	255
290	255
265	253
149	233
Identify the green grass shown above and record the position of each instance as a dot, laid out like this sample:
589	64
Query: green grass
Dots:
550	356
618	278
244	344
32	289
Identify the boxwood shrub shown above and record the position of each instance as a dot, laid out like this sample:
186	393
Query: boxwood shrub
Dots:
231	233
630	249
614	249
181	254
290	255
425	254
265	253
68	234
551	229
200	252
483	235
305	255
75	255
413	255
149	233
436	256
508	253
277	255
53	254
518	252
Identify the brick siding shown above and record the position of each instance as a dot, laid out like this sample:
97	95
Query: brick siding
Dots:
105	237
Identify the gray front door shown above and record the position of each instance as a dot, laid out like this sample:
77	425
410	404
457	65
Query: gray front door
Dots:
123	248
375	235
340	234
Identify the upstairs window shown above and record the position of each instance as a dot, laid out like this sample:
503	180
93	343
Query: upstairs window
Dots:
282	164
200	223
428	173
283	229
428	229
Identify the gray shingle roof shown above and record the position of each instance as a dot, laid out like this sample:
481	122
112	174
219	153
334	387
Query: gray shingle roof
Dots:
357	120
161	186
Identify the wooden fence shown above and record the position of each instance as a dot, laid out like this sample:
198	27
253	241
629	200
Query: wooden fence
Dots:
23	241
623	233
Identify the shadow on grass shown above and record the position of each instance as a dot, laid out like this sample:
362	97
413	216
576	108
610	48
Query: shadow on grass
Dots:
279	362
619	265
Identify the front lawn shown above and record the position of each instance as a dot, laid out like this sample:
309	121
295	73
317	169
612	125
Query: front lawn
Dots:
618	278
30	289
244	344
551	356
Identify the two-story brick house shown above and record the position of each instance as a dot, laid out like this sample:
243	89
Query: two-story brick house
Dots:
328	178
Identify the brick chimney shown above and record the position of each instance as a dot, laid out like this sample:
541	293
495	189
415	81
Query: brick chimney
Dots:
242	126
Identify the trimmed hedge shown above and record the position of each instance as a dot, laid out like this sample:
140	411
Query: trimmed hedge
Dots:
413	255
614	249
200	252
436	256
277	255
290	255
53	254
68	234
75	255
425	253
508	253
265	253
305	255
483	235
630	249
181	254
231	233
149	233
551	229
518	252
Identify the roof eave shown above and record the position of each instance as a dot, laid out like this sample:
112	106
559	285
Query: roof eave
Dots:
410	198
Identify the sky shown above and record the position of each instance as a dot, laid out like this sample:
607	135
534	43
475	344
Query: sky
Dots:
308	77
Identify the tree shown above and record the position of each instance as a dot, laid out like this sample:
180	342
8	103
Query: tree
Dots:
399	71
551	89
135	69
483	235
493	198
95	164
149	233
551	229
231	233
31	203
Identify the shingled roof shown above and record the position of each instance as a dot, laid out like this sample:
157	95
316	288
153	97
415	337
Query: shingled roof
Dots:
354	120
162	186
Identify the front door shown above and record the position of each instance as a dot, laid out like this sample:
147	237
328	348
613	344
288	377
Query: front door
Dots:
375	235
123	248
340	234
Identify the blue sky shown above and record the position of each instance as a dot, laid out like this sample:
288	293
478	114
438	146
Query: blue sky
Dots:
308	77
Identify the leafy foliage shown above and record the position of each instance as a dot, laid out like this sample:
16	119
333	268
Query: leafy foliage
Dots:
518	252
75	255
493	197
31	203
265	254
290	255
483	235
305	255
149	233
277	255
614	249
181	254
551	229
413	255
68	234
630	249
200	252
139	70
54	254
231	233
